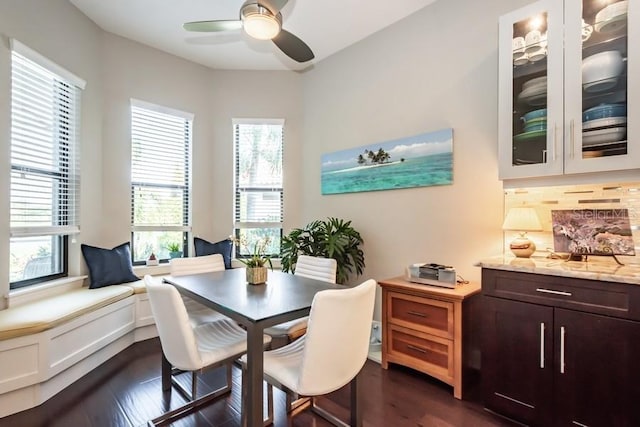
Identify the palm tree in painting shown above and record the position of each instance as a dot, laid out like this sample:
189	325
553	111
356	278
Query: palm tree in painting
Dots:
375	157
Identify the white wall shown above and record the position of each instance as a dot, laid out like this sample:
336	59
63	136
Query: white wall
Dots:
435	69
132	70
116	70
253	94
60	32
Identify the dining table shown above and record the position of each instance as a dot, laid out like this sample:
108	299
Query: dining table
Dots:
282	298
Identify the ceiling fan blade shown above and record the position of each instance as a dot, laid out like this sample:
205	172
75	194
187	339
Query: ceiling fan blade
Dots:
212	26
293	47
274	6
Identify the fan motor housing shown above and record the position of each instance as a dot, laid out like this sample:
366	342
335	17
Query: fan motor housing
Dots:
254	8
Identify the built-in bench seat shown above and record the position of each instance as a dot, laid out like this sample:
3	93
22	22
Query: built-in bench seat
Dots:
52	311
47	344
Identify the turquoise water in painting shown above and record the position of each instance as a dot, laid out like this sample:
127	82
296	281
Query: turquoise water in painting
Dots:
436	169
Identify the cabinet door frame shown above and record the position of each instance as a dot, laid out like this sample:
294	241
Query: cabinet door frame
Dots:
590	389
527	398
554	145
573	160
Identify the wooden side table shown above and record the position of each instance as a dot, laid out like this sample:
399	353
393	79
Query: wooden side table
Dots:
422	328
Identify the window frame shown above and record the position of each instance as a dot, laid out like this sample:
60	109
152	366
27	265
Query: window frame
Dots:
63	97
187	188
239	190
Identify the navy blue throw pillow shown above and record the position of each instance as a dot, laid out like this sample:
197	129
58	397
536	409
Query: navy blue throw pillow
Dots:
223	247
108	266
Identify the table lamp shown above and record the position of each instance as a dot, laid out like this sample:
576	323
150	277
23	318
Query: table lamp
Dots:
522	220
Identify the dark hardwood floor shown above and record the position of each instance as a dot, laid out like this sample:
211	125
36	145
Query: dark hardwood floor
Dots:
125	391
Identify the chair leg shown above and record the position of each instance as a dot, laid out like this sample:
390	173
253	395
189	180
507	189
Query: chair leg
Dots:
194	385
269	419
356	409
193	404
293	402
166	373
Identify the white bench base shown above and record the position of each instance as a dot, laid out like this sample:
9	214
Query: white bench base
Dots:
34	368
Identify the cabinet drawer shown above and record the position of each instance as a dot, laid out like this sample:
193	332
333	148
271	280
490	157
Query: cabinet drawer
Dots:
608	298
424	352
423	314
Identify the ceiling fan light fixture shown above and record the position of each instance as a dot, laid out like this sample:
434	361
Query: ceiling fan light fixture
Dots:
260	23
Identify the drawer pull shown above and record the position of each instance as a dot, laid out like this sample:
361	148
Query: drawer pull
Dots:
551	291
418	349
416	313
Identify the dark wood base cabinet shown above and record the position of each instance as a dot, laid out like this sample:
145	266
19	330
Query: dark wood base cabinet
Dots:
560	351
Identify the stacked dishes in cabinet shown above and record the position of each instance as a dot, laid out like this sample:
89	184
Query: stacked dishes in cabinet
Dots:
530	130
529	49
600	72
612	17
534	92
535	125
529	146
604	130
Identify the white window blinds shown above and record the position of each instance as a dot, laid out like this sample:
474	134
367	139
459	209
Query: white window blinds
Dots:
160	168
45	109
258	200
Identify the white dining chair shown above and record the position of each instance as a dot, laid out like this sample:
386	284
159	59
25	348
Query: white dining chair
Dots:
198	313
331	353
192	349
314	268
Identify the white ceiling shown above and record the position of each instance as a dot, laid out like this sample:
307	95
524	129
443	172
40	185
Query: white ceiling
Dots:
327	26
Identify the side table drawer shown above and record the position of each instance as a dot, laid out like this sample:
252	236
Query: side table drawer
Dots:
422	314
424	352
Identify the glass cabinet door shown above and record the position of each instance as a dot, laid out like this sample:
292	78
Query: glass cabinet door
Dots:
531	111
597	85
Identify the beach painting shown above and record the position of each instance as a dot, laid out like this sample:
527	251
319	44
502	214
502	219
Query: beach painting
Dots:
415	161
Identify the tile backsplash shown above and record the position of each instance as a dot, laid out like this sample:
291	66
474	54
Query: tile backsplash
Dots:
589	196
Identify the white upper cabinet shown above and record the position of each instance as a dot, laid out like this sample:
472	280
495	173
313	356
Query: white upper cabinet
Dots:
568	92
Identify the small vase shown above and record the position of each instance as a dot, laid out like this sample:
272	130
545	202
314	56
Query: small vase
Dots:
256	275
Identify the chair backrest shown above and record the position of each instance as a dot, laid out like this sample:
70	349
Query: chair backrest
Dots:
316	268
176	334
196	265
337	340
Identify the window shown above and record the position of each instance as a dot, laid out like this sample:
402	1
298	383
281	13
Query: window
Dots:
258	180
160	180
44	183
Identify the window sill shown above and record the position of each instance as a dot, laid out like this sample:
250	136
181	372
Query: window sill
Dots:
154	270
27	294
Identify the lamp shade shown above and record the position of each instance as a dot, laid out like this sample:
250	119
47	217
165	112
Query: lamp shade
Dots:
522	219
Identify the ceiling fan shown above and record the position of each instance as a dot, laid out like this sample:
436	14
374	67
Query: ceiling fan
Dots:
260	19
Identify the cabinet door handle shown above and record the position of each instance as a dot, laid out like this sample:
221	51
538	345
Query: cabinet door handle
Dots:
555	141
551	291
562	331
418	349
416	313
542	345
572	129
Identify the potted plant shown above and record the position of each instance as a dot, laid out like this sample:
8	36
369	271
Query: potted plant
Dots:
330	238
257	260
174	250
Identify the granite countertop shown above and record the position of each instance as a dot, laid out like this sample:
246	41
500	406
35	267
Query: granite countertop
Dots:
596	268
